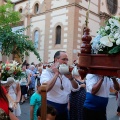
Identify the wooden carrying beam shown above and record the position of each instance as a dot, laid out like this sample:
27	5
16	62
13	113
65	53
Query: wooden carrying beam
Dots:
44	101
103	64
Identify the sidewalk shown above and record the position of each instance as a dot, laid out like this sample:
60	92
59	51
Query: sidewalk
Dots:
112	108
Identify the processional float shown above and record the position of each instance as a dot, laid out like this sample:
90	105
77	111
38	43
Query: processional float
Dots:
102	64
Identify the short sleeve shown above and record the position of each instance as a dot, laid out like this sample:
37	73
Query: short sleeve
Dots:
45	76
32	100
90	81
28	72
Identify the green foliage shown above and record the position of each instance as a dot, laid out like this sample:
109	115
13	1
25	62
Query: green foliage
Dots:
16	43
115	50
8	15
13	43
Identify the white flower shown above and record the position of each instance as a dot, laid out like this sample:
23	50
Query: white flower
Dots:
106	41
111	35
15	63
116	35
111	39
112	26
111	21
107	28
117	23
118	42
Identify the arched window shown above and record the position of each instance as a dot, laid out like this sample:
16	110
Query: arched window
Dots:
36	39
36	8
58	35
112	6
20	10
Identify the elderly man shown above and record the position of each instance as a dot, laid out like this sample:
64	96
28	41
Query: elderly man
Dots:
59	86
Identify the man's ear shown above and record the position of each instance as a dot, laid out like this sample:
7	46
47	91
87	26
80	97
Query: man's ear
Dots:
55	59
39	118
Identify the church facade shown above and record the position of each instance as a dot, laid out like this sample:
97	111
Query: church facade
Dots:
58	24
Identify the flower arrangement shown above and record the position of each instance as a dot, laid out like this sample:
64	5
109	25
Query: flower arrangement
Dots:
11	70
107	40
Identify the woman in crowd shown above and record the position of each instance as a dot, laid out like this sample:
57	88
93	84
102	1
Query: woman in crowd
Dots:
32	77
24	83
5	111
4	104
77	100
15	92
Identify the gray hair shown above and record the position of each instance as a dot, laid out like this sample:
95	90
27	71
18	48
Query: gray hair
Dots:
32	66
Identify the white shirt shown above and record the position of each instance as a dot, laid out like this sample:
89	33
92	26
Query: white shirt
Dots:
104	90
56	94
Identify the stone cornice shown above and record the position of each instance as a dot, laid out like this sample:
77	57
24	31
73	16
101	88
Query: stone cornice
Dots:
104	15
65	6
101	14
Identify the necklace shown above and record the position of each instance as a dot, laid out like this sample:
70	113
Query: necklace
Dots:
61	86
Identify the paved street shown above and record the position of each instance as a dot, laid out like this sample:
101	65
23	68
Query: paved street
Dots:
25	108
111	110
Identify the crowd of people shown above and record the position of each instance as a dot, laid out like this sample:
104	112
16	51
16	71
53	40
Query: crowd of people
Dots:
68	96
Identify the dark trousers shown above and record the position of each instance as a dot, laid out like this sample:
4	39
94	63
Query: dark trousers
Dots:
62	116
93	114
62	112
118	109
24	89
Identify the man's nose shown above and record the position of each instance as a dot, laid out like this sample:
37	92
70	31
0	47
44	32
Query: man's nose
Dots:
65	62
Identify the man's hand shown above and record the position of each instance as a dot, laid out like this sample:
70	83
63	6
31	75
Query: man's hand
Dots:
83	85
73	82
69	76
54	68
14	105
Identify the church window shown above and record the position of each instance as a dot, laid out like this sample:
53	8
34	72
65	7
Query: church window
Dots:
58	34
20	10
36	8
112	6
36	39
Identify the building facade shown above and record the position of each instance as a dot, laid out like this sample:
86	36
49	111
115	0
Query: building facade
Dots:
58	24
